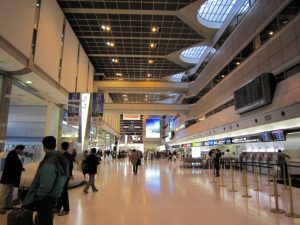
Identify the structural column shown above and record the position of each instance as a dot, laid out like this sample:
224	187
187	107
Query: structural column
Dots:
5	93
53	120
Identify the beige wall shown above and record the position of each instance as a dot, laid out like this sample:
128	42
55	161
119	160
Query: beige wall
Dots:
16	23
69	61
49	36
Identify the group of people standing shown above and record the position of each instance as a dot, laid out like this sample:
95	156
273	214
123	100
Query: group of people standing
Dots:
45	191
48	192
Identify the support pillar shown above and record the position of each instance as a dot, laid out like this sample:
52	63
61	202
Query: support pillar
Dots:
5	93
53	118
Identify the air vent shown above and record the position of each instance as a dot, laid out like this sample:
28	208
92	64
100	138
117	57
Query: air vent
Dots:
268	117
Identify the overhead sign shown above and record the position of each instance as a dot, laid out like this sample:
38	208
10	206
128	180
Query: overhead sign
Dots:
131	117
73	109
97	108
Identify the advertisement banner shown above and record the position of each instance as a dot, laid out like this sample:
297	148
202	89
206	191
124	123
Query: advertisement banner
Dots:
153	128
97	108
74	109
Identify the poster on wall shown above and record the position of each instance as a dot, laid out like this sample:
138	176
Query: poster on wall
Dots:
73	109
153	127
97	108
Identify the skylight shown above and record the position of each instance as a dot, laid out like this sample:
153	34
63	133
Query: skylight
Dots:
213	12
244	8
192	55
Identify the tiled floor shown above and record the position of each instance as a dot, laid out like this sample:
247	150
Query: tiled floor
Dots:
162	193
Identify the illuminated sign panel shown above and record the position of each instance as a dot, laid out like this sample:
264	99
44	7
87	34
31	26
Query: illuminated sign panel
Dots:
153	127
131	117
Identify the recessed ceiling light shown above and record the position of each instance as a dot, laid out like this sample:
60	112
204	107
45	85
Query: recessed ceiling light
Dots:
155	29
153	45
28	82
110	44
115	60
238	63
149	75
223	76
105	28
119	74
150	61
271	33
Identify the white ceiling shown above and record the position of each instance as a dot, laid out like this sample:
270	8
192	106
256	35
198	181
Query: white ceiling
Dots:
21	97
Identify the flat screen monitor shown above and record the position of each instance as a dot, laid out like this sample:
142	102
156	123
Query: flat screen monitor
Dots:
278	135
266	136
153	128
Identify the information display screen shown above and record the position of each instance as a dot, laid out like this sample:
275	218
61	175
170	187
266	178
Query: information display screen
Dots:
266	136
153	127
278	135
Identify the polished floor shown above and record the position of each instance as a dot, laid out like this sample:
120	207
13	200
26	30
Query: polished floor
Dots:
163	193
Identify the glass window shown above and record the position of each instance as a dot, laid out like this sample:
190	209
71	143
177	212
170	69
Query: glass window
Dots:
213	12
192	55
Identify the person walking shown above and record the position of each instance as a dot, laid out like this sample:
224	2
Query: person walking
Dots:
92	161
283	163
63	201
11	177
48	183
135	160
83	163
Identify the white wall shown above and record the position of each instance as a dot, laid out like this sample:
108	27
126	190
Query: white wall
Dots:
292	145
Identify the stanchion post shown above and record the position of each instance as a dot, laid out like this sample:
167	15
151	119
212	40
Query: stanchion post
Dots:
268	169
213	174
276	209
256	179
274	175
246	195
284	178
244	175
292	213
232	179
222	176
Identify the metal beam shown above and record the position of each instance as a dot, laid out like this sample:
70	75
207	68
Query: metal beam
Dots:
127	56
145	109
142	38
120	11
141	87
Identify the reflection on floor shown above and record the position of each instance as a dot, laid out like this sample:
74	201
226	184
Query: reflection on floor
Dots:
162	193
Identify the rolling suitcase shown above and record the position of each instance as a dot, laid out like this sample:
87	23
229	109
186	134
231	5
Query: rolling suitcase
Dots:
20	216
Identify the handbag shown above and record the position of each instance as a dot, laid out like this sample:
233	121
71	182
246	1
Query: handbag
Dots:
20	216
138	162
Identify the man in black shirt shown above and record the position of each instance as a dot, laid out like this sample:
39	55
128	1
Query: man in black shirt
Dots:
63	201
11	177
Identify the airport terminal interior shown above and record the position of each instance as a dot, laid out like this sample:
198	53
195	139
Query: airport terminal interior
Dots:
173	79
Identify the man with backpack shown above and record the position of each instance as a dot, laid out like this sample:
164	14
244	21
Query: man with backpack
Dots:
48	182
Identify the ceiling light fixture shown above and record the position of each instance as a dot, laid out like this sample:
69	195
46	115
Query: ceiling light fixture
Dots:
155	29
115	60
149	75
153	45
150	61
119	74
238	63
28	82
110	44
105	28
271	33
223	76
